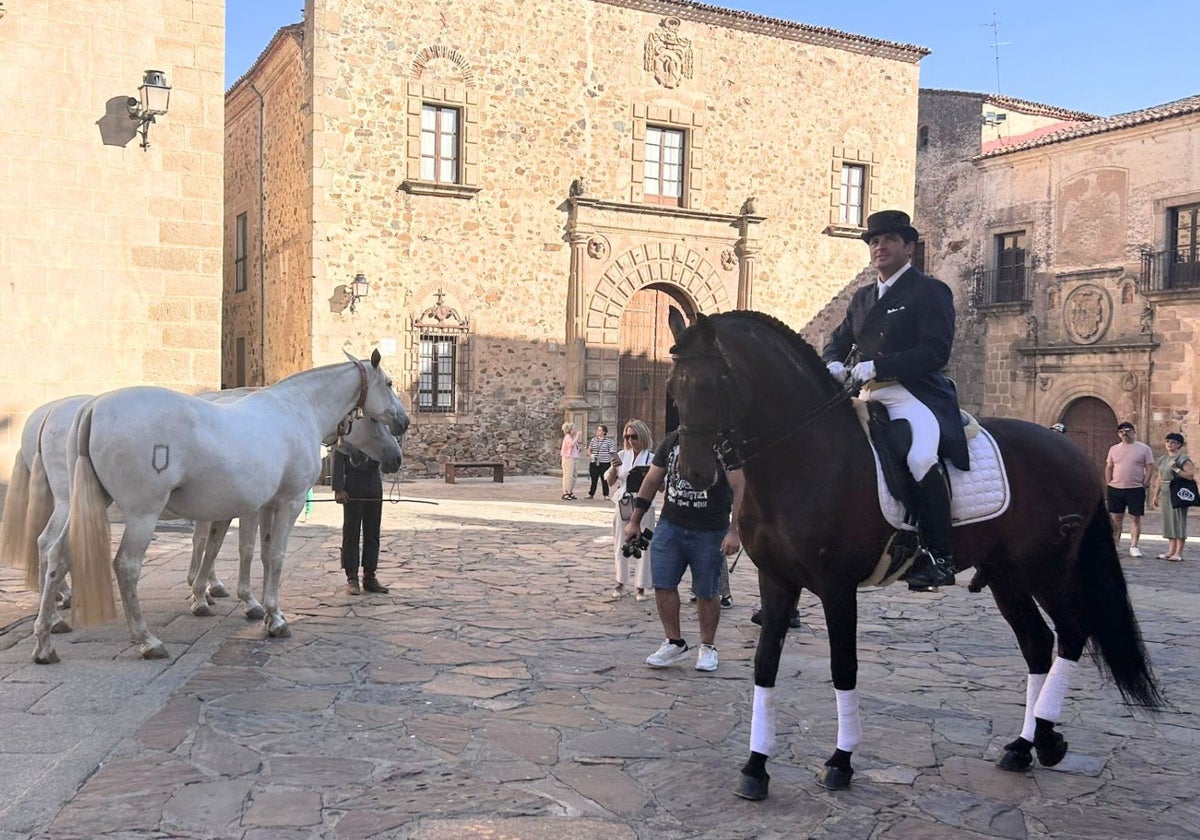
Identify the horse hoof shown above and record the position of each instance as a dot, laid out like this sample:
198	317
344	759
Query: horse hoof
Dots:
201	609
279	631
64	601
834	778
155	651
218	590
1052	753
753	788
50	658
59	625
1015	761
255	613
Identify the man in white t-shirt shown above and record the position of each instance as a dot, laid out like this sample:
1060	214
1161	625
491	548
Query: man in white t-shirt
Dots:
1127	472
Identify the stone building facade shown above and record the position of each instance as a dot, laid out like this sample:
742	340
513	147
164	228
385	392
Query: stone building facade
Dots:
1071	246
110	254
524	202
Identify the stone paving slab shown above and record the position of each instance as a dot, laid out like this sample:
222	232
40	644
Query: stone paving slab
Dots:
497	692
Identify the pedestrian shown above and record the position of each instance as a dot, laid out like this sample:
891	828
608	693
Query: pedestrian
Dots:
600	451
358	488
1127	473
1175	464
625	475
569	450
895	340
698	530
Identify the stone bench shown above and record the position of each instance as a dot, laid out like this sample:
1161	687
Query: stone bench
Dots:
452	468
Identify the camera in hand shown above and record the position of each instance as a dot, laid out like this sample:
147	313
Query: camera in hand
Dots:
638	544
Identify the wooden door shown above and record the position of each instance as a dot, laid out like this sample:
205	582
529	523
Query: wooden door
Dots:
645	362
1093	426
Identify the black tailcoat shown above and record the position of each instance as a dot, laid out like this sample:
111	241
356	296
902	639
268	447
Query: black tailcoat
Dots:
908	334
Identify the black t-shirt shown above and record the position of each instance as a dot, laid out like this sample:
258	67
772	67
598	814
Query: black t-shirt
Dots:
699	510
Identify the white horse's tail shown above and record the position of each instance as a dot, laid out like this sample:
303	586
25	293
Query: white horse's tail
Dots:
90	537
12	526
41	505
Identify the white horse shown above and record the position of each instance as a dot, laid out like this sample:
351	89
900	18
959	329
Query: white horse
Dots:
36	508
35	512
151	450
366	435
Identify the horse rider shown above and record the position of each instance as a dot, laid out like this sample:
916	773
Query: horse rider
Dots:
901	329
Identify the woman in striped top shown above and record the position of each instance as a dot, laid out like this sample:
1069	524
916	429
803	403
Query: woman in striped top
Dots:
600	454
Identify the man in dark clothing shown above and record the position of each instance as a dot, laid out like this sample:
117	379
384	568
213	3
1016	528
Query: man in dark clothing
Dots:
358	488
902	328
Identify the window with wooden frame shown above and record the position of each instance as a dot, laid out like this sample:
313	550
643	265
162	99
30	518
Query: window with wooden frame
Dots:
852	209
1185	247
239	253
663	181
437	364
440	148
1010	266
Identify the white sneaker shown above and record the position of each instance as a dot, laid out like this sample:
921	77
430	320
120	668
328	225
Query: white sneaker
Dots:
668	655
618	591
1134	551
642	595
707	659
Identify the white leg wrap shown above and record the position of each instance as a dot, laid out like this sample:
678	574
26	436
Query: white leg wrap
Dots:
762	721
1050	699
849	724
1033	689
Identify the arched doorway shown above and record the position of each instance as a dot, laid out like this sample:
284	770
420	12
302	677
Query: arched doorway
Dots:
644	359
1092	425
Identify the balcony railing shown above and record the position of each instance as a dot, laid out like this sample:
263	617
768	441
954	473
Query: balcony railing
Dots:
1173	270
1001	285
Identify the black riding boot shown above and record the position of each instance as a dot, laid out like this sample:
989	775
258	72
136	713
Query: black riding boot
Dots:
934	566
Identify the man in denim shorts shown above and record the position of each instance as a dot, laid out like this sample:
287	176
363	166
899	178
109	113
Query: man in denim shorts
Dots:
694	531
1127	472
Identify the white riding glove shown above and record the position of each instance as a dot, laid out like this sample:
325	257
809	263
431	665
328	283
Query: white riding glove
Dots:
838	371
863	372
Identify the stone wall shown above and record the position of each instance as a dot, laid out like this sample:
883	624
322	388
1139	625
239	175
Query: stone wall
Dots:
110	255
544	105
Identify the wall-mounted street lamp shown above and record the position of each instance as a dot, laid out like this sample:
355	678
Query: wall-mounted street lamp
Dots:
358	289
347	296
154	97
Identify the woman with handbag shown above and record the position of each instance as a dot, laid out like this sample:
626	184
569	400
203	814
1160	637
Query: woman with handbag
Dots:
629	466
1174	469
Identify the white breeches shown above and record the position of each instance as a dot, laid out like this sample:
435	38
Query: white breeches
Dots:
926	434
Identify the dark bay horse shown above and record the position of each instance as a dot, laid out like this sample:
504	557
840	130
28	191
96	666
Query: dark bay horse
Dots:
748	386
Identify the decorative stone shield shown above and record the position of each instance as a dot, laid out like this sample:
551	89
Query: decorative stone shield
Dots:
668	54
1087	313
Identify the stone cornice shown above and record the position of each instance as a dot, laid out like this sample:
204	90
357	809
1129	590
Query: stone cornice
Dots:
662	210
776	27
1132	345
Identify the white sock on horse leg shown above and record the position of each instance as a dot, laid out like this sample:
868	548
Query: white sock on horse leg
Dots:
1033	689
1054	692
849	724
762	721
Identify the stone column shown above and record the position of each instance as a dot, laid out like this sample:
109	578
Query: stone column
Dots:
576	344
747	252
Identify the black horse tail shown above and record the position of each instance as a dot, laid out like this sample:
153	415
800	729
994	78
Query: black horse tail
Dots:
1103	598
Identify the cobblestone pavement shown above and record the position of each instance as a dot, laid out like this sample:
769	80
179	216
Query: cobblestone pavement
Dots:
496	692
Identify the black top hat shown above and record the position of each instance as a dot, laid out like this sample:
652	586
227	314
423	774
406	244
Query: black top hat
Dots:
890	221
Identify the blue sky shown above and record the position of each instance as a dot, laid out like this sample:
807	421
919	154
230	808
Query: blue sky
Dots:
1100	56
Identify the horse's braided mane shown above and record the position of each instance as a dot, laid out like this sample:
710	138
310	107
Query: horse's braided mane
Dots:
808	354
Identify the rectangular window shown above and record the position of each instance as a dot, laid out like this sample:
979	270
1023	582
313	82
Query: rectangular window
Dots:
854	179
663	182
435	384
239	370
239	254
1010	267
439	144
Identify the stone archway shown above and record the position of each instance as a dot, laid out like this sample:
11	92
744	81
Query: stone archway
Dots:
626	360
